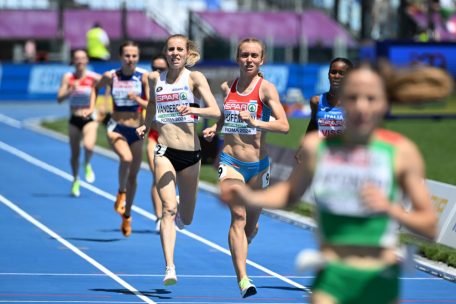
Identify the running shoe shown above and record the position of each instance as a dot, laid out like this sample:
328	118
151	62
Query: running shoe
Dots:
89	174
170	276
75	188
157	224
119	205
126	226
246	287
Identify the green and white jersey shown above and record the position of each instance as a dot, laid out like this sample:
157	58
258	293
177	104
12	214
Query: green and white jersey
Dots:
339	176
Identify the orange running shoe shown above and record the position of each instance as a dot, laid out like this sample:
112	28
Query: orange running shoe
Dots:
126	226
119	205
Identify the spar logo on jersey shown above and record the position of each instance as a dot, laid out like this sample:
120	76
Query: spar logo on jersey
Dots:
159	89
168	97
235	106
252	108
183	96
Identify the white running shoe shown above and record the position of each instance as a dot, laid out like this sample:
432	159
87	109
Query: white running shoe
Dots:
170	276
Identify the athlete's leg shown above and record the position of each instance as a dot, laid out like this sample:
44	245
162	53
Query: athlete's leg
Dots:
165	177
187	181
89	139
75	141
259	181
121	148
136	150
157	204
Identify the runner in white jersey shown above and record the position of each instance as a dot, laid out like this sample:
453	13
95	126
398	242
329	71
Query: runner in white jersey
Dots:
129	91
356	176
249	103
178	97
76	87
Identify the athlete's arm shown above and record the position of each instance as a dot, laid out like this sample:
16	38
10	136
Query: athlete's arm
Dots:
410	172
270	96
201	86
139	99
104	81
281	194
64	89
210	132
150	108
314	100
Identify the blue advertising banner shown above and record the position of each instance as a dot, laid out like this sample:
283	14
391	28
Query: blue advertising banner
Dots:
438	54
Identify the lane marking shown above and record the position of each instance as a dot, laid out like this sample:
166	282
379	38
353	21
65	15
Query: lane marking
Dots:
140	211
210	276
70	246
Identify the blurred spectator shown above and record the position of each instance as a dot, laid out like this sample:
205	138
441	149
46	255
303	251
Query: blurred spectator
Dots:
98	43
30	51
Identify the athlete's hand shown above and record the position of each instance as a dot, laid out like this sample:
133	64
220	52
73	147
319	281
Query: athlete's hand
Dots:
141	131
185	110
247	118
132	96
233	192
374	198
86	112
209	133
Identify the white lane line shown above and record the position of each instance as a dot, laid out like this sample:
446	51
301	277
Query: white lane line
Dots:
139	210
70	246
198	276
144	275
10	121
111	302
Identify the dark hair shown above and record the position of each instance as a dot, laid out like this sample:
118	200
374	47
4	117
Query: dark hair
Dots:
159	56
347	62
127	43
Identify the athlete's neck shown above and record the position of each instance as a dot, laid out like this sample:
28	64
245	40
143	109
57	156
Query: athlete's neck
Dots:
333	97
173	75
245	81
79	73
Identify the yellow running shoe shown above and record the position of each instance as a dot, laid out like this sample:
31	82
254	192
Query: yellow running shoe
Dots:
75	188
126	226
119	205
89	174
246	287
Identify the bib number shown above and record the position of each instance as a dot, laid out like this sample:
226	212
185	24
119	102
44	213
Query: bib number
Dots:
222	171
266	178
112	124
160	150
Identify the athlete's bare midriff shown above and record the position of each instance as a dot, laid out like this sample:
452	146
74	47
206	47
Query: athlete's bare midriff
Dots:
180	136
247	148
130	119
360	256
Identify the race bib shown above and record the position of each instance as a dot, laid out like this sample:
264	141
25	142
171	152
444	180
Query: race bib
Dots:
233	124
121	89
160	150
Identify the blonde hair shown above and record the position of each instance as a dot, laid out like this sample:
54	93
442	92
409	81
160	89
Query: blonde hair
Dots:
252	40
193	53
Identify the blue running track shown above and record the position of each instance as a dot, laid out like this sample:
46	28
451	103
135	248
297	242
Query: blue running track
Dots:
60	249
